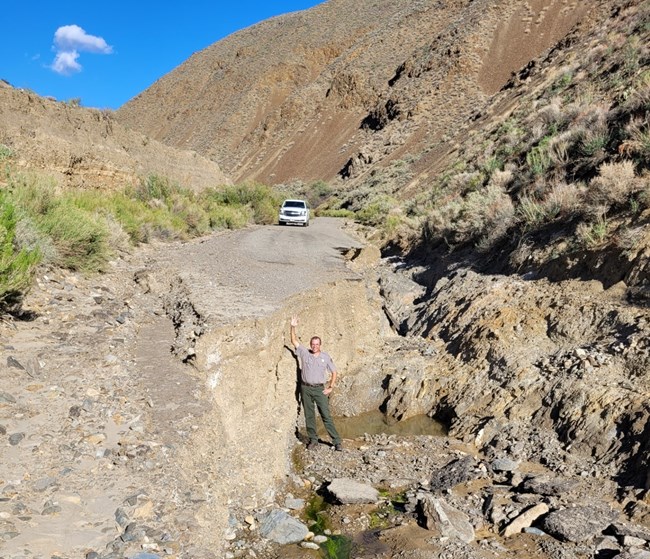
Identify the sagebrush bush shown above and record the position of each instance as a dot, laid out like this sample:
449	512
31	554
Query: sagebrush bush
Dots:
154	187
375	212
562	200
613	185
483	214
539	159
531	211
229	217
195	219
466	181
34	194
637	141
317	192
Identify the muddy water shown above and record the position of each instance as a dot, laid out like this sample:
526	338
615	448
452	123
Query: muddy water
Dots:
376	423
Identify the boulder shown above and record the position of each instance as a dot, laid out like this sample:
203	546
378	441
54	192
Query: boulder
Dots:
445	519
347	491
282	528
578	524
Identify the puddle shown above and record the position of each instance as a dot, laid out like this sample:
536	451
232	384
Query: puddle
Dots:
376	423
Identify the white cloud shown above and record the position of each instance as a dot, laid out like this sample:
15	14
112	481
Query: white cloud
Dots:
66	63
69	41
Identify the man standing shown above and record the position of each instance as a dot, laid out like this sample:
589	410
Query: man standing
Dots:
314	365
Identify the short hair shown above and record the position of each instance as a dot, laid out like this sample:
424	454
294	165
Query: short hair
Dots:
315	338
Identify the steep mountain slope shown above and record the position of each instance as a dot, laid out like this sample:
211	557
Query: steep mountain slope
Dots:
337	90
87	148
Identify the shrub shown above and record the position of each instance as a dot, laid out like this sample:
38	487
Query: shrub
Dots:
531	210
563	199
561	83
501	179
613	185
34	194
375	213
637	142
559	148
593	234
539	159
16	265
132	215
263	201
485	213
228	217
466	181
194	218
593	143
154	187
5	152
637	97
80	238
492	165
317	192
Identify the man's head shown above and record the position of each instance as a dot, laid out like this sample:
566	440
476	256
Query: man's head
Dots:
314	344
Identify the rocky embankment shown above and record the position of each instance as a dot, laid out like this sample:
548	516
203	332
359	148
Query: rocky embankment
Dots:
151	412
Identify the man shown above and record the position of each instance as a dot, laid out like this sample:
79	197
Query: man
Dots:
314	365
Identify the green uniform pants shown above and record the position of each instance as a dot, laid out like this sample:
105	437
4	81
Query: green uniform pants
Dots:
311	395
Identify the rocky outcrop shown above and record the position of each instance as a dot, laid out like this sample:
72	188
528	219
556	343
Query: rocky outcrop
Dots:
505	350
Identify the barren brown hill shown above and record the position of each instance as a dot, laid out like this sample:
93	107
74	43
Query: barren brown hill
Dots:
87	148
337	90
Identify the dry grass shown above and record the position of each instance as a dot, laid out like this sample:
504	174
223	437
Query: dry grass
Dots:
615	183
563	200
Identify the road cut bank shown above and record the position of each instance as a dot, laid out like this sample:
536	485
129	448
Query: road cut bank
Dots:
249	373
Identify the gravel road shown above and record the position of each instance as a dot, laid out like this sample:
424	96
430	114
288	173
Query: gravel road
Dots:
246	273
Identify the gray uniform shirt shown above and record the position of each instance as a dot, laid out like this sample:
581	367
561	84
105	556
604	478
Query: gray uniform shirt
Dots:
313	369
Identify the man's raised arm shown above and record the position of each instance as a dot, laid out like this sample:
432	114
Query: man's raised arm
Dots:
294	338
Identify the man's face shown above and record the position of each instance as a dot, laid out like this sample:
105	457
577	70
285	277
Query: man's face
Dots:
314	345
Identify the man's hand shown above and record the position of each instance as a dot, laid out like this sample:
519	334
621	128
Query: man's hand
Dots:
292	331
328	391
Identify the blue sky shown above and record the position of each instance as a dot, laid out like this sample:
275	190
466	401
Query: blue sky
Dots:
105	53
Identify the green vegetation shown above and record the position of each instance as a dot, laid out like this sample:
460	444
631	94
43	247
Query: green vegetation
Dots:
83	229
575	157
392	504
539	159
5	152
315	514
336	547
16	263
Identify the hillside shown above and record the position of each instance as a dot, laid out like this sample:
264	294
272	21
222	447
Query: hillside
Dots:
88	148
347	87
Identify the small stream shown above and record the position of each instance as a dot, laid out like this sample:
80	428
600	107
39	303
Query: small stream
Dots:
376	423
372	423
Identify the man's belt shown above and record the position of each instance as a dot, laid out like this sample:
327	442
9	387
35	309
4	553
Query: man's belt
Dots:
309	384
